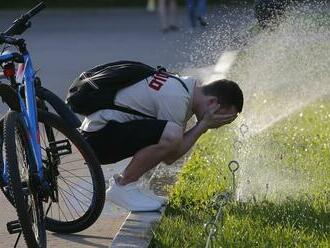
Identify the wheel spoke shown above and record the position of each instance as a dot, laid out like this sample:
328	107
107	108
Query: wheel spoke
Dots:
74	196
63	197
72	184
78	177
60	211
73	161
80	168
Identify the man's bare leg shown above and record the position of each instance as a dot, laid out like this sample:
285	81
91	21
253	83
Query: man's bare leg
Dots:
149	157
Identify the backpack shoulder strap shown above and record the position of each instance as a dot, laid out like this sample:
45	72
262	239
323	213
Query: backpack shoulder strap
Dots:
175	77
160	70
180	80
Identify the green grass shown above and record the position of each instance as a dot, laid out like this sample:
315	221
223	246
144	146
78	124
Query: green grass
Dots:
300	219
292	156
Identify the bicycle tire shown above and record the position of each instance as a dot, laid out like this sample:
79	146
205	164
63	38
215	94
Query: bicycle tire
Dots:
2	183
9	96
59	106
96	204
16	137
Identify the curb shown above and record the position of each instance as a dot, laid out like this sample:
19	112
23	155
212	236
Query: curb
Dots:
137	230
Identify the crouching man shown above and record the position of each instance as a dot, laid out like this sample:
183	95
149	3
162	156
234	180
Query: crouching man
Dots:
116	135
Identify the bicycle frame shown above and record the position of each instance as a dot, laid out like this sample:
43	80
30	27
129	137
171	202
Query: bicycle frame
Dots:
28	108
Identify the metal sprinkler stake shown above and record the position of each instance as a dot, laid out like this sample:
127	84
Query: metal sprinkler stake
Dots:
233	167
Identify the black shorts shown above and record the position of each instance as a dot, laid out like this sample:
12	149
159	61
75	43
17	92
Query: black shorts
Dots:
117	141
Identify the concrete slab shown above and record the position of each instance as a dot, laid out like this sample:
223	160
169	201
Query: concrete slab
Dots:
137	230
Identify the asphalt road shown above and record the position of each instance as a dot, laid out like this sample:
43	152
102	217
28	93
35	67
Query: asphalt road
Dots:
63	43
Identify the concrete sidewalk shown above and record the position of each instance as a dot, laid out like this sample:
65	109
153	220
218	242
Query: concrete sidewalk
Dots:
99	235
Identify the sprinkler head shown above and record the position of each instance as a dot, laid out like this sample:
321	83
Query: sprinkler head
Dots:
233	166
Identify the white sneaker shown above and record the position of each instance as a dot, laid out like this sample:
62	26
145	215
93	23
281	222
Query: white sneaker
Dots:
130	197
163	200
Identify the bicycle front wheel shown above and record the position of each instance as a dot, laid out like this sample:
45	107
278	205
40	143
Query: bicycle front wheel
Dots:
23	182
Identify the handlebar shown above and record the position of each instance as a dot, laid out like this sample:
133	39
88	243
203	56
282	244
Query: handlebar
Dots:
35	10
10	40
21	24
14	57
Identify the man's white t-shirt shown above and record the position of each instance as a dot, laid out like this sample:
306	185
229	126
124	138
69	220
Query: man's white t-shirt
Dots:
162	97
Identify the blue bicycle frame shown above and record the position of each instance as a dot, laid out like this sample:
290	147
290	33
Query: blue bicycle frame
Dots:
28	108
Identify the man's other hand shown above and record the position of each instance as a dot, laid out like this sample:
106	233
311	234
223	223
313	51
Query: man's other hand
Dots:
216	117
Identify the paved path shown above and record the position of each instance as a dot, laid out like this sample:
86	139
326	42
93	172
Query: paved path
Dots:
65	42
99	235
74	185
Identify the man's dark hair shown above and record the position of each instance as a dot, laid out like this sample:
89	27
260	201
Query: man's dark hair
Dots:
227	92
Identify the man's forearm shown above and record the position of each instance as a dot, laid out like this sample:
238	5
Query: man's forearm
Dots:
189	139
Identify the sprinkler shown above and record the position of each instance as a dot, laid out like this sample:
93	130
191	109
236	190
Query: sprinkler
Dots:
211	227
233	167
244	129
237	145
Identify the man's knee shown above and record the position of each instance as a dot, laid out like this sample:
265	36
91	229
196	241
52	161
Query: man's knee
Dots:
172	136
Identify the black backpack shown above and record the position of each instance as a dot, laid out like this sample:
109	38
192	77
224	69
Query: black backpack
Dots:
95	89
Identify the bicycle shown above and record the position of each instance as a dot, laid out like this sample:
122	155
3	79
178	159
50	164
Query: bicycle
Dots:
40	168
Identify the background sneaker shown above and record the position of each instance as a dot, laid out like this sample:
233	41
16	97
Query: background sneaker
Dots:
174	28
202	22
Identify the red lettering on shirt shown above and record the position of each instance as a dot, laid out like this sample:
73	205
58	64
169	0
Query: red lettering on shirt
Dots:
158	81
156	85
160	77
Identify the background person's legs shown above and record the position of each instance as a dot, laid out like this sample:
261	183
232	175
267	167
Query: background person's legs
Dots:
163	12
173	11
201	12
191	5
201	8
